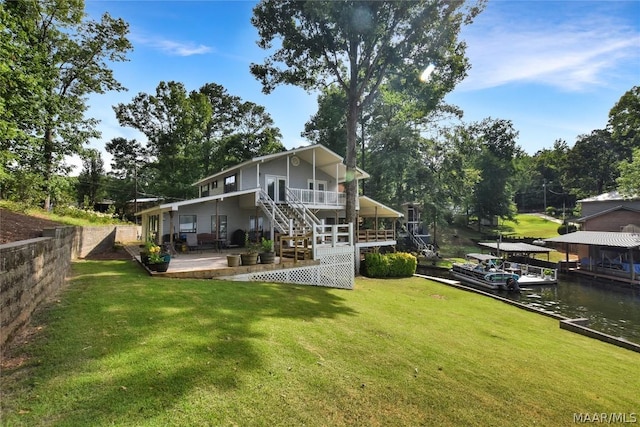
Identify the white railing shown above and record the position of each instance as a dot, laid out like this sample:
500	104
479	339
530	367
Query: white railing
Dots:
332	235
278	218
304	214
317	197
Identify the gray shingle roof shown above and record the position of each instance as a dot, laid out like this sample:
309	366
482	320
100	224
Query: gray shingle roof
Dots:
599	238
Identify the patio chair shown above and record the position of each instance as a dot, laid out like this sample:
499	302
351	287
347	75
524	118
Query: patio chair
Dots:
192	241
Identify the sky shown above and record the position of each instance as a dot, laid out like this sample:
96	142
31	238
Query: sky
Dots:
554	68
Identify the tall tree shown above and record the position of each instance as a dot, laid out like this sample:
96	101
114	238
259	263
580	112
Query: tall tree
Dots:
357	45
493	194
329	125
629	179
129	168
624	122
592	165
90	187
70	54
191	135
175	123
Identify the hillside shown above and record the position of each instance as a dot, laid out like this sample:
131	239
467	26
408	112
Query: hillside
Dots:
16	226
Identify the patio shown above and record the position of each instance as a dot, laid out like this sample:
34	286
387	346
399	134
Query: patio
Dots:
212	264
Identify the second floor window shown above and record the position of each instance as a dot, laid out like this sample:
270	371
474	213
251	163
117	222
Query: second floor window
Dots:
230	184
204	190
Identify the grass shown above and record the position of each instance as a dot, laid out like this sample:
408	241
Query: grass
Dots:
529	226
62	214
122	348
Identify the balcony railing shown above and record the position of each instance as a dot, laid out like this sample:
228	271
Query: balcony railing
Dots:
317	197
376	236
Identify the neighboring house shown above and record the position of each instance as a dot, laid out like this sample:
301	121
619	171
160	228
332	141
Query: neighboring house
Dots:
610	212
609	244
284	194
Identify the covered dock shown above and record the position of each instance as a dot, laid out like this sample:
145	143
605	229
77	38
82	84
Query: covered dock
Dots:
515	249
611	255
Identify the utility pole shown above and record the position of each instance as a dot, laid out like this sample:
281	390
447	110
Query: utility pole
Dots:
544	191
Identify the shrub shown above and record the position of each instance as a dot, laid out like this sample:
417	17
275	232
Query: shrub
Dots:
551	211
376	265
564	228
399	264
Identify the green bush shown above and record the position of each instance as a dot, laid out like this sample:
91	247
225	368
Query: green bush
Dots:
399	264
564	228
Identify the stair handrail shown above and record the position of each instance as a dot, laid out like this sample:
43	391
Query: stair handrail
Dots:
281	221
309	219
418	242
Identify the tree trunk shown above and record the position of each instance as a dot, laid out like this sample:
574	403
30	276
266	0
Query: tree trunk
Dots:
48	166
350	159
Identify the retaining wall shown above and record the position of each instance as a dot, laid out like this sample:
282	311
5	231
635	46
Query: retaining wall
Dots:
31	271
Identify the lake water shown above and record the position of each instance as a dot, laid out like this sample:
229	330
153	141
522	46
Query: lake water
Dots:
611	308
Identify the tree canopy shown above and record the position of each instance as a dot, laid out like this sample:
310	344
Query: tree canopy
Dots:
193	134
358	45
61	57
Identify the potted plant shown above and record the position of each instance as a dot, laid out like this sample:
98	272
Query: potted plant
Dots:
250	256
157	261
144	253
233	260
547	273
267	256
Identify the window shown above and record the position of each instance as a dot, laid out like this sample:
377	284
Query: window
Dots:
219	223
204	190
188	223
230	184
214	184
255	223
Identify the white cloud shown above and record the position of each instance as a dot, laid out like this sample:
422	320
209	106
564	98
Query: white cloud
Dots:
171	47
569	57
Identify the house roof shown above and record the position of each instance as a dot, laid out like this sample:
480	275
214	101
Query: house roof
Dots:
371	208
368	206
165	207
516	247
607	197
599	238
606	211
325	160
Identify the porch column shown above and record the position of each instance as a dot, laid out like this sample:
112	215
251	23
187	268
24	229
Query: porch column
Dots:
632	266
313	153
217	223
257	175
160	227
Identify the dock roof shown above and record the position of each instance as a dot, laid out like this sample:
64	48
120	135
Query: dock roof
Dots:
516	247
599	238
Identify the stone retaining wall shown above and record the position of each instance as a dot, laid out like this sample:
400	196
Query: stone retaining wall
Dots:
31	271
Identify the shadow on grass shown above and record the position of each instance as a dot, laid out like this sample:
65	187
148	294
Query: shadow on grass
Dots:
123	346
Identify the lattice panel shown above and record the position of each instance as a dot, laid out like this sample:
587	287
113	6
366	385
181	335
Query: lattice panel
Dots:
335	271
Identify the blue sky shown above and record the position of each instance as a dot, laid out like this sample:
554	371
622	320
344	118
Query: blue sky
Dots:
554	68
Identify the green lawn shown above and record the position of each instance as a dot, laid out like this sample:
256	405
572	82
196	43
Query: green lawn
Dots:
526	225
122	348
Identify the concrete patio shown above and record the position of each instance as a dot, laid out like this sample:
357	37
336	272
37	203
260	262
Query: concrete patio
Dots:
212	264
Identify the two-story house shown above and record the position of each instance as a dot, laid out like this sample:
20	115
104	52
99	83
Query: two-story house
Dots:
282	194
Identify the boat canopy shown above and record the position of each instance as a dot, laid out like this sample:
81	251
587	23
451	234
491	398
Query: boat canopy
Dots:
482	257
515	247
